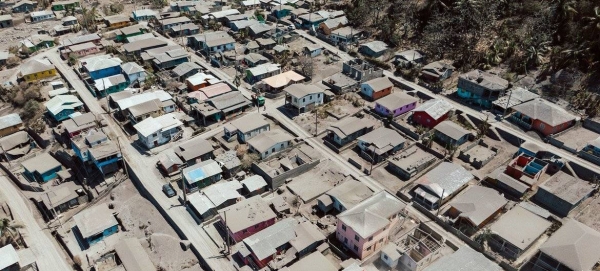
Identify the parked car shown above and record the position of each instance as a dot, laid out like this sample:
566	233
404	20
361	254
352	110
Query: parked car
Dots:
169	191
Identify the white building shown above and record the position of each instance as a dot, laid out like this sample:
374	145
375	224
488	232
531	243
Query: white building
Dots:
304	97
270	142
38	16
153	132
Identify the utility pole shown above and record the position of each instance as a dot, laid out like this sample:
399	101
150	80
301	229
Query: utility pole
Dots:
183	188
54	211
372	159
440	202
123	157
6	155
227	230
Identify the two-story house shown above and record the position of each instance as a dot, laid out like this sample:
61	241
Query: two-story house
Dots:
246	127
303	97
95	149
41	168
102	66
134	72
153	132
481	87
111	84
365	228
62	106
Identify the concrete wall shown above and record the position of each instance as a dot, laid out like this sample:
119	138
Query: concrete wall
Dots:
591	124
276	181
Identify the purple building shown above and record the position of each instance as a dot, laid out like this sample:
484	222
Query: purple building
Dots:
396	103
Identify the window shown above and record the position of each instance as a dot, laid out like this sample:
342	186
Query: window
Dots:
355	248
381	240
303	99
310	97
356	237
345	240
256	226
369	248
267	152
244	231
370	238
344	227
385	257
273	150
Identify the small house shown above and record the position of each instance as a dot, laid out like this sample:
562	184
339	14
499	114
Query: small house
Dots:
574	246
116	21
130	31
41	168
132	255
38	16
437	71
475	208
345	35
195	150
277	83
395	104
6	21
451	134
80	50
68	5
432	112
247	217
201	175
200	80
185	70
333	24
10	124
253	60
380	143
24	6
270	142
373	49
344	196
62	106
142	111
464	259
212	42
95	223
262	71
247	127
134	72
37	69
512	243
153	132
110	84
311	20
440	184
543	116
144	14
135	48
376	88
562	192
313	50
170	163
409	58
304	97
37	42
349	129
76	125
166	24
254	185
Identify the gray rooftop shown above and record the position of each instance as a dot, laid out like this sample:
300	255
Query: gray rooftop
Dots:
265	140
574	245
265	243
230	101
434	108
379	83
193	148
446	177
145	108
451	129
376	46
410	55
185	67
228	159
349	126
133	256
478	203
350	193
95	220
531	227
302	90
464	259
41	163
247	213
250	122
485	79
10	120
314	261
384	139
254	183
222	192
372	214
568	188
396	100
549	113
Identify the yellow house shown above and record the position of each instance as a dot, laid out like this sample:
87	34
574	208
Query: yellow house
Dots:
116	21
37	69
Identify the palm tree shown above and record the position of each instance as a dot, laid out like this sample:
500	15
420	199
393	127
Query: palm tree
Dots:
8	232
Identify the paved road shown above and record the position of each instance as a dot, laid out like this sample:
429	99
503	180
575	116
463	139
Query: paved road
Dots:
179	215
49	256
479	114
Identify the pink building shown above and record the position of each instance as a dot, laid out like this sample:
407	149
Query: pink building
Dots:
247	217
80	50
364	228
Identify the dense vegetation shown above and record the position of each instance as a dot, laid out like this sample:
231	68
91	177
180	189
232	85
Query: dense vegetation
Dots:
522	36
